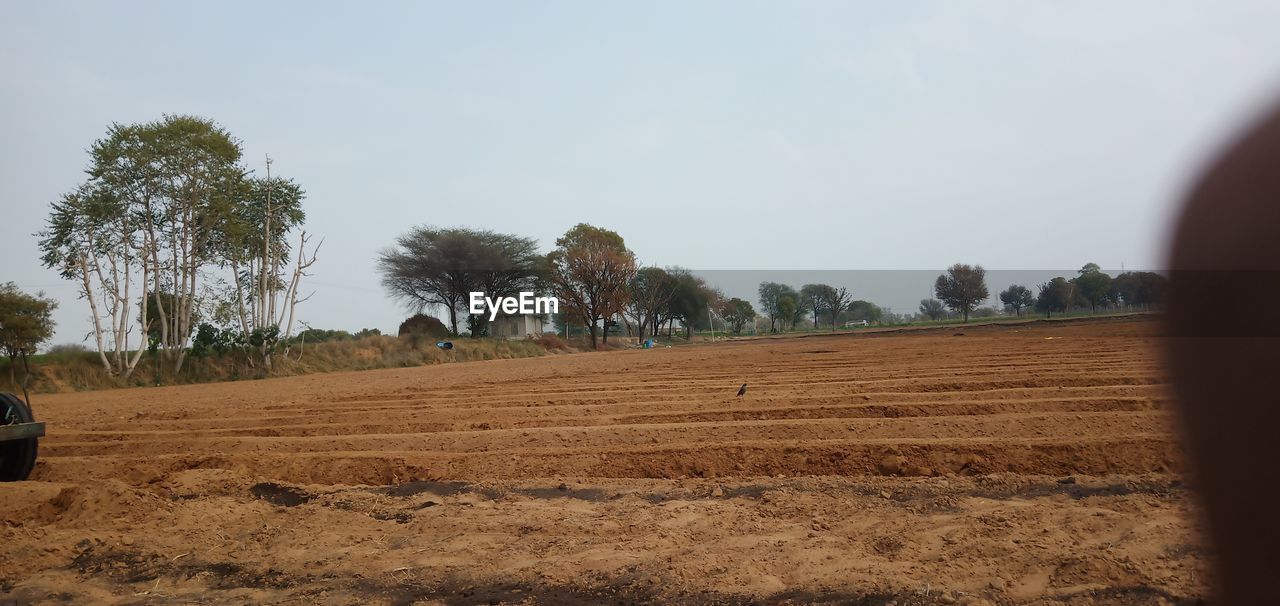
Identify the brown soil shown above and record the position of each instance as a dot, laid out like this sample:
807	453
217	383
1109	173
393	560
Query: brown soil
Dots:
1030	464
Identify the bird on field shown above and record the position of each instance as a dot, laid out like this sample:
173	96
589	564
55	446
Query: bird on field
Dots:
742	391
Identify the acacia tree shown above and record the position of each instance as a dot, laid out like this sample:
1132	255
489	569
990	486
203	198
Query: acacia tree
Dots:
26	321
589	271
1017	296
434	267
834	300
962	288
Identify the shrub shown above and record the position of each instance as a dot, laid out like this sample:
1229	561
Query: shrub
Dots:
423	324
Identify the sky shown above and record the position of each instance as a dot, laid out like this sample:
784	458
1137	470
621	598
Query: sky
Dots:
711	135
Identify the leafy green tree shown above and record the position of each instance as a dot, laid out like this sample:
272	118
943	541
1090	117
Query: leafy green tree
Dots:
266	269
1092	285
589	271
1141	289
962	288
26	321
866	310
167	202
737	313
690	301
1055	295
932	308
786	308
1017	296
771	295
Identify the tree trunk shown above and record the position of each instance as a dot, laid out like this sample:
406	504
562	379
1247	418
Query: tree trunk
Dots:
593	335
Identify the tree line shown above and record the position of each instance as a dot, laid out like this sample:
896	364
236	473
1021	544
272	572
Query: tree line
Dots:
603	288
598	280
963	288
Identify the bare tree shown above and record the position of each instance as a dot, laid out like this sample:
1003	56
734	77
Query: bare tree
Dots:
651	291
834	301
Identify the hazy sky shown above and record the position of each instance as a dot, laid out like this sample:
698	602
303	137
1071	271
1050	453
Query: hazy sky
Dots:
801	135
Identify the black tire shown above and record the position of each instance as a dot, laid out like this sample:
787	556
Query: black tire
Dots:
17	457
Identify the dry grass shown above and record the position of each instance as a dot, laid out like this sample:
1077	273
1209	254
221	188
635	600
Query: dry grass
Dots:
81	371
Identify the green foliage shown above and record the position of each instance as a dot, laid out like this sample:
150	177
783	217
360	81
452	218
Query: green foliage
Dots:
865	310
787	306
1093	285
321	335
962	288
985	312
26	321
210	339
932	308
813	299
167	201
1018	297
737	313
771	297
1141	289
1055	295
691	300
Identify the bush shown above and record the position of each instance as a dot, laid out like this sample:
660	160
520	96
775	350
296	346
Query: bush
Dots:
63	349
552	342
422	324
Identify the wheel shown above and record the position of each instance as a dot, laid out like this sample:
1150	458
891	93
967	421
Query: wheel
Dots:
17	457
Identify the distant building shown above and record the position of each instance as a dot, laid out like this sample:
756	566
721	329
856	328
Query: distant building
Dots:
518	326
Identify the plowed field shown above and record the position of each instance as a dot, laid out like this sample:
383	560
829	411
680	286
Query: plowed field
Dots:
1033	463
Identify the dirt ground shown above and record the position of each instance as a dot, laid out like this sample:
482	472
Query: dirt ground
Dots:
1028	464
